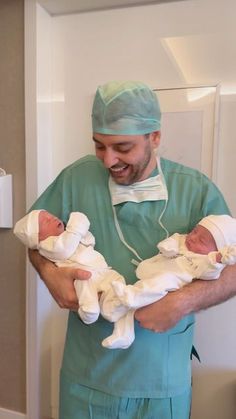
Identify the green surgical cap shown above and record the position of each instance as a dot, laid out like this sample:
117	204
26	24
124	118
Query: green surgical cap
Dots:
125	108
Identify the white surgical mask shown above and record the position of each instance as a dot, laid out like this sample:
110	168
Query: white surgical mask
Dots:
151	189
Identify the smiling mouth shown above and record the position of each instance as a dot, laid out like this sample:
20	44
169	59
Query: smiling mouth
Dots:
118	170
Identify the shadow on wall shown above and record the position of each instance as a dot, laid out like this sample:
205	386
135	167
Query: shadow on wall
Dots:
219	401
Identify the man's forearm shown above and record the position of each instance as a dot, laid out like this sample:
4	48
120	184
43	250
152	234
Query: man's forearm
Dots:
201	294
59	281
41	264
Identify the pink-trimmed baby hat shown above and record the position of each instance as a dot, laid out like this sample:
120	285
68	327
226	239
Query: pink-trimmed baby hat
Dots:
222	228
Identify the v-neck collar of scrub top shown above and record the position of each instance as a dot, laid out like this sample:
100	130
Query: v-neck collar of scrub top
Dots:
151	189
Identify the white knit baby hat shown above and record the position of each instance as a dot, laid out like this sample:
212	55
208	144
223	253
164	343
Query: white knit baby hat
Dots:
27	229
222	228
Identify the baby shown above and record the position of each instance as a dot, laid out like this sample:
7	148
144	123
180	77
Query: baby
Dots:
202	253
72	246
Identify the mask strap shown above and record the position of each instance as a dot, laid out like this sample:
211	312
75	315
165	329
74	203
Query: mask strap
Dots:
119	231
122	239
166	200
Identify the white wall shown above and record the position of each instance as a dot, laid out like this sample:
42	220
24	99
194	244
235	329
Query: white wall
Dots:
154	44
227	149
38	175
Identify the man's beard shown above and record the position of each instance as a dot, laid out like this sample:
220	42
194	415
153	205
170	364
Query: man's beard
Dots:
137	169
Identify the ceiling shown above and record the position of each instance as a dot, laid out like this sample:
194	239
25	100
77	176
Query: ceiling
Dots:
61	7
198	40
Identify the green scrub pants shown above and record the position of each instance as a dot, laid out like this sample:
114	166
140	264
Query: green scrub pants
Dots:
80	402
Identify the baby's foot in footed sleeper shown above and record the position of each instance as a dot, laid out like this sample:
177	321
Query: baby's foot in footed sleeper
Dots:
88	315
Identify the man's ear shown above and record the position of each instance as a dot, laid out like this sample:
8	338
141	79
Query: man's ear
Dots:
155	138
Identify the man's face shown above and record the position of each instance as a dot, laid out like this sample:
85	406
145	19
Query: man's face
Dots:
200	240
49	225
129	158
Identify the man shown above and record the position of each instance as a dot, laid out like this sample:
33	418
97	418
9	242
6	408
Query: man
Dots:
133	200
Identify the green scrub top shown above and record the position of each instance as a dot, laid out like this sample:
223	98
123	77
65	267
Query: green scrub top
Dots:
156	365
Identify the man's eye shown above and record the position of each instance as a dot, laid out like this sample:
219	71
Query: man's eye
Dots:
99	146
124	149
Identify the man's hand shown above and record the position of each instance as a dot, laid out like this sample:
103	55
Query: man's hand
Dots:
196	296
161	315
61	286
59	281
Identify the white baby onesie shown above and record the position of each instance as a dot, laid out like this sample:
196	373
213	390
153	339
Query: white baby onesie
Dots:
75	248
171	269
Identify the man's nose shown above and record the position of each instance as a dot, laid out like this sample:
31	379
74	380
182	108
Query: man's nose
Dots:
109	158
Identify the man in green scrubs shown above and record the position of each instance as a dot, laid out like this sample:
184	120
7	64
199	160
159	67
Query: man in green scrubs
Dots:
133	200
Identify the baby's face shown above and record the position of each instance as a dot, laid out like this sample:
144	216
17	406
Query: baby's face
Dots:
49	225
200	240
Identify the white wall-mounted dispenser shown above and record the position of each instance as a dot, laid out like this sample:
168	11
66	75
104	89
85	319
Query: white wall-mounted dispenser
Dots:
6	219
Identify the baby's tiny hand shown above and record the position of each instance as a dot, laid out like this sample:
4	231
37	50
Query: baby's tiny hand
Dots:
218	257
